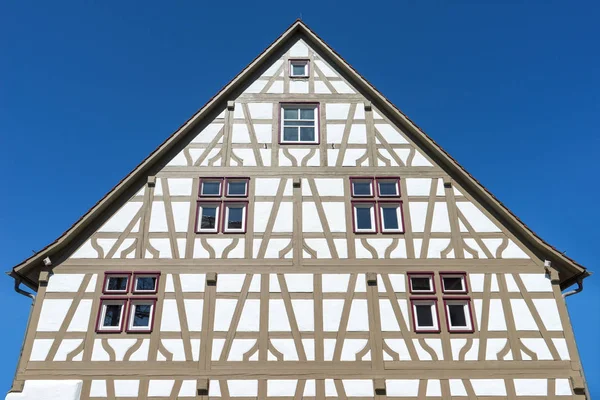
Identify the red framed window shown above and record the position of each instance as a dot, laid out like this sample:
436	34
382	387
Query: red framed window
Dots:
421	282
122	308
218	209
454	282
459	317
425	314
383	194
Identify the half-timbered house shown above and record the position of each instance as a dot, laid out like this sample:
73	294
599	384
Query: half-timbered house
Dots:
298	238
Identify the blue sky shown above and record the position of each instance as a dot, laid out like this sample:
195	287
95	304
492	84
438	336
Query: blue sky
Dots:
510	89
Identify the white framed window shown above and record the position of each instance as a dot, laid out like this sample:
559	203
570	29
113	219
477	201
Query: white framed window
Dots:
425	317
141	313
236	187
390	215
145	282
210	187
454	282
208	217
111	315
116	283
299	124
388	187
364	217
362	187
458	315
235	217
421	282
299	68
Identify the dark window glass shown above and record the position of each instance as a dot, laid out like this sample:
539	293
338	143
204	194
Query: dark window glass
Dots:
363	218
209	217
211	188
390	217
290	113
117	283
424	315
361	188
141	316
453	283
235	217
388	188
307	113
145	283
298	69
237	188
290	134
457	315
307	134
421	283
112	316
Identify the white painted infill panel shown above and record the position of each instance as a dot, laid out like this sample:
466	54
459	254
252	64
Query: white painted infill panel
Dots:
49	390
119	221
53	314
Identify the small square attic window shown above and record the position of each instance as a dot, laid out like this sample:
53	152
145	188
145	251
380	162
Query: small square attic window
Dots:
299	68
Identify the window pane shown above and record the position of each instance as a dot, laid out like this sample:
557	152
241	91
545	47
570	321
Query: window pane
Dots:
211	188
237	188
235	217
424	315
298	69
307	134
361	188
117	283
141	315
388	188
457	315
363	218
290	134
453	283
112	317
307	113
290	113
390	217
209	217
145	283
423	284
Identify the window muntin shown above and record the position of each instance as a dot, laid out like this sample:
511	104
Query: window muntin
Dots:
208	217
361	187
421	283
145	282
454	283
299	124
425	317
141	313
388	187
364	217
116	283
390	215
458	315
299	68
210	187
111	315
237	188
235	217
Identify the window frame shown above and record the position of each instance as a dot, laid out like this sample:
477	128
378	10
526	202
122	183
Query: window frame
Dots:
362	203
137	274
414	301
209	179
140	300
395	179
233	179
108	275
358	178
382	204
452	274
420	274
304	61
299	105
468	318
225	216
199	203
102	313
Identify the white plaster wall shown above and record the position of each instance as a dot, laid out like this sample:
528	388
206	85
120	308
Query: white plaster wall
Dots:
81	318
53	314
49	390
119	221
66	283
